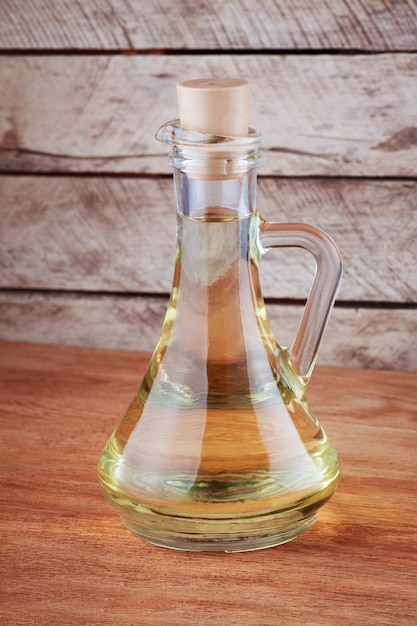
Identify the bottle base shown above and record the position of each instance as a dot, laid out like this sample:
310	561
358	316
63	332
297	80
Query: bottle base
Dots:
254	534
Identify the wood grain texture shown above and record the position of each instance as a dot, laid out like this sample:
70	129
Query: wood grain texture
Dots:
67	559
118	235
237	24
356	337
328	115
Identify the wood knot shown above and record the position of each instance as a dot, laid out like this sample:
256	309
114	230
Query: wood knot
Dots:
402	140
10	139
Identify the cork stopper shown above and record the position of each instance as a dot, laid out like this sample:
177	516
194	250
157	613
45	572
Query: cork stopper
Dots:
218	106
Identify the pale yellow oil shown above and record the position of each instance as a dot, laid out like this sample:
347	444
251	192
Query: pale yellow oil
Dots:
218	449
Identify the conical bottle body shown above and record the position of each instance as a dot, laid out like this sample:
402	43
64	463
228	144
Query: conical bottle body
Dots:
218	449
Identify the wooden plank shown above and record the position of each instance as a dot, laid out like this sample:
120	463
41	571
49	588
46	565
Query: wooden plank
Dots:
237	24
358	337
67	559
118	235
320	115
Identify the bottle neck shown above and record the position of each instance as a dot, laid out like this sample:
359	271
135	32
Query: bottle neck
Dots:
212	172
215	200
215	192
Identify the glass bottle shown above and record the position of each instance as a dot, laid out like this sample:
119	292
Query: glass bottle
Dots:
219	449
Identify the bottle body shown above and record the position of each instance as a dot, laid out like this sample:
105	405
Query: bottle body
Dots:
218	449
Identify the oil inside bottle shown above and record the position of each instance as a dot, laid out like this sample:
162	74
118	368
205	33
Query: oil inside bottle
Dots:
218	449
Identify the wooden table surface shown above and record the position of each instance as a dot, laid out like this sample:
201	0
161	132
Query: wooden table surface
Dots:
67	559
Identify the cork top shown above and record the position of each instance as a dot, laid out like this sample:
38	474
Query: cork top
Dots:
217	106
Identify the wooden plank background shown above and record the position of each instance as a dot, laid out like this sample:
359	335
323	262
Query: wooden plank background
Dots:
86	204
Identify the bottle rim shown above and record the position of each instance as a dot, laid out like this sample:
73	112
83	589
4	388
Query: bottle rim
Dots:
172	133
197	151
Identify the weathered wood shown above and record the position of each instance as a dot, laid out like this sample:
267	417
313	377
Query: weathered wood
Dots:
118	235
357	337
320	115
67	559
238	24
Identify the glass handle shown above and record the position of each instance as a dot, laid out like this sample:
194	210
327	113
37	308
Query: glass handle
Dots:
323	290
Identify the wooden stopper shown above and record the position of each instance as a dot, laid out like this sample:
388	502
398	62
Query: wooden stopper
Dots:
218	106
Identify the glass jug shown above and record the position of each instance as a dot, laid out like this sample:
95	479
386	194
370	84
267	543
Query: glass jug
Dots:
219	449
